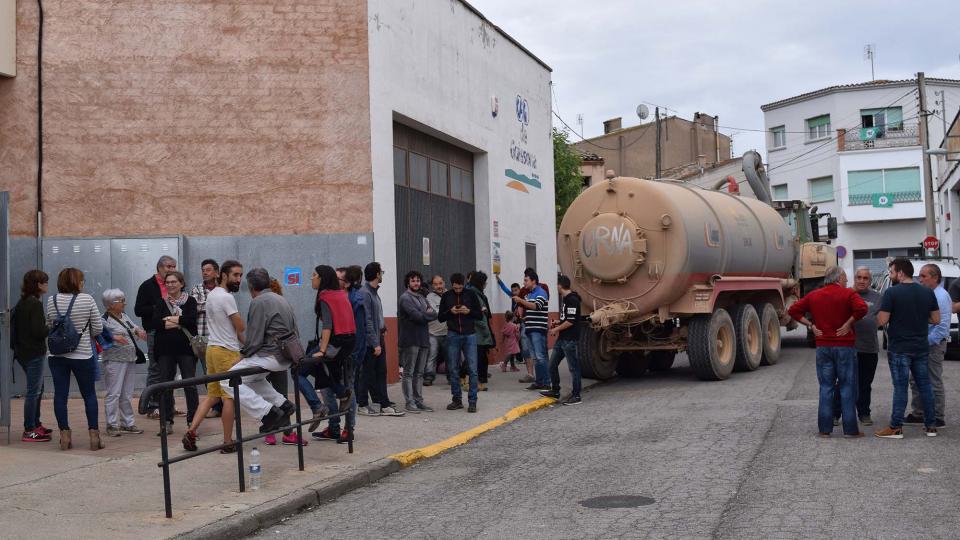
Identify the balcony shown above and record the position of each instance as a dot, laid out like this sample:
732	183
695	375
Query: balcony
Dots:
866	199
868	139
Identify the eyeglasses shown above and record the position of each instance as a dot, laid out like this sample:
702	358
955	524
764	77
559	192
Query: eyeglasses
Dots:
174	282
120	301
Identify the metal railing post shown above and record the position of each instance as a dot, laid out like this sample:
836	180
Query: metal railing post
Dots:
296	402
164	454
235	382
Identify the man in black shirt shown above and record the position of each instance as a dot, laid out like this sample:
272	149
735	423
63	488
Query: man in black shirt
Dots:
567	330
460	309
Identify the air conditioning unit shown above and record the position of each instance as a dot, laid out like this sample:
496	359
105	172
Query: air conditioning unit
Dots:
8	38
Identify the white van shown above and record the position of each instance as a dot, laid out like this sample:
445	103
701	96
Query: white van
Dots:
950	272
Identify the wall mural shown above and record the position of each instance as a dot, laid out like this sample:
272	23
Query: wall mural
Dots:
523	159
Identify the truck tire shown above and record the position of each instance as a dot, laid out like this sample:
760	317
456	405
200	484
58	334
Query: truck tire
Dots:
770	325
661	360
632	365
746	325
712	345
593	364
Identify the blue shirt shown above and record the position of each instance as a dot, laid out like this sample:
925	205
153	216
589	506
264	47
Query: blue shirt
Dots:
939	332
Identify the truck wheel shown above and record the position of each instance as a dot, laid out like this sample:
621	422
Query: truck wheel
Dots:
712	345
770	325
594	364
661	360
746	324
632	365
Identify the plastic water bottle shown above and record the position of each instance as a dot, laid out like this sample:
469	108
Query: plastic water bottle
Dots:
255	469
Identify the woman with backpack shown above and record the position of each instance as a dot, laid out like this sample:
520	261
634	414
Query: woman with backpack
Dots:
73	318
175	319
30	349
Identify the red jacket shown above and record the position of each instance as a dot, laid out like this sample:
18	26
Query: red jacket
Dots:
830	307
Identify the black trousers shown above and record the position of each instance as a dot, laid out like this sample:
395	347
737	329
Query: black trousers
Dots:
373	378
187	363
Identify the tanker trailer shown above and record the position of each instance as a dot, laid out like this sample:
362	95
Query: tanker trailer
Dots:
665	266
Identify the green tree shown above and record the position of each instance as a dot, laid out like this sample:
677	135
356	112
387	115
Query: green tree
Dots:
566	172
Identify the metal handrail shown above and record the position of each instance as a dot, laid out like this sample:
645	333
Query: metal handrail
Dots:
234	376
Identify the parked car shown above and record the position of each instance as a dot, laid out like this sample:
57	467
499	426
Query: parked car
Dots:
950	272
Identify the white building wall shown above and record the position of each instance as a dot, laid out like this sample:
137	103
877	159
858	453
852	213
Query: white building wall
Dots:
799	161
440	67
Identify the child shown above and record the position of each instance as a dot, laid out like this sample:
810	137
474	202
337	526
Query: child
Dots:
511	342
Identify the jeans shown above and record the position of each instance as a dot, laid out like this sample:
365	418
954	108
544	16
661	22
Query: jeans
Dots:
538	344
437	356
833	364
902	365
31	402
413	360
187	363
565	348
85	371
935	369
330	398
465	344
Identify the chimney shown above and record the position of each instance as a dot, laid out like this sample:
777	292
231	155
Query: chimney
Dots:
612	125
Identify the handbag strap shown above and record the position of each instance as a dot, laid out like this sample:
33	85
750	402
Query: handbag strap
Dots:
124	325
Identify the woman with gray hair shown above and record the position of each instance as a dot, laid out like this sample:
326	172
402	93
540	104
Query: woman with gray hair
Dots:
118	364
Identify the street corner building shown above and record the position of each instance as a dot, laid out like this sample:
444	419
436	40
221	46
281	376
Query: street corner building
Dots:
284	134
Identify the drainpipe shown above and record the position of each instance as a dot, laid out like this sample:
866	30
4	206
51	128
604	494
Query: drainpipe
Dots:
40	135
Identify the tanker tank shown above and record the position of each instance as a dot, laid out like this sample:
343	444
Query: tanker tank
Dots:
646	243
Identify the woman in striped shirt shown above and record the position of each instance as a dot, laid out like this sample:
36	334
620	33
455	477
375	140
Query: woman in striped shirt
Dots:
80	362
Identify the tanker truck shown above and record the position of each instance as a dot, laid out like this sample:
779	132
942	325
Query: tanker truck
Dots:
664	267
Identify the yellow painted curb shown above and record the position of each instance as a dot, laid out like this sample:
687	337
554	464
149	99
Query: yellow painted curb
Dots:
410	457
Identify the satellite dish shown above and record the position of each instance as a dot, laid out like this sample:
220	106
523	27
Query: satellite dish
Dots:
642	111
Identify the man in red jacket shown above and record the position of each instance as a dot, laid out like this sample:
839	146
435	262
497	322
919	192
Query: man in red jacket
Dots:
834	308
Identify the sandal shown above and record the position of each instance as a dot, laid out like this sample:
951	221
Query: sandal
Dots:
154	414
190	441
177	412
232	449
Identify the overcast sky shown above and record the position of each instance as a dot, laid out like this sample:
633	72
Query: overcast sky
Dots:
721	58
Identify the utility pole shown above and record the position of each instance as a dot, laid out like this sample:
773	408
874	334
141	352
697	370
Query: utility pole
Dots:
656	113
716	136
925	146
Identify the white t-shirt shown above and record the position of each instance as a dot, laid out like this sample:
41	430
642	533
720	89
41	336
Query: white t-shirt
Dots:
220	306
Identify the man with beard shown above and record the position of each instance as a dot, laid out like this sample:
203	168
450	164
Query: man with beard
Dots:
225	327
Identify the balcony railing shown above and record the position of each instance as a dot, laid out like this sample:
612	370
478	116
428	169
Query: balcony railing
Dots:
861	139
895	197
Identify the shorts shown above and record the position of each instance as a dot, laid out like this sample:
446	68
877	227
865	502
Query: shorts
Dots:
219	360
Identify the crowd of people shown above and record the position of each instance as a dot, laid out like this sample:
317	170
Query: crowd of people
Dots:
440	331
845	323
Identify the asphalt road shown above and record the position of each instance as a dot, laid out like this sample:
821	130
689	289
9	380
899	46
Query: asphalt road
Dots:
688	459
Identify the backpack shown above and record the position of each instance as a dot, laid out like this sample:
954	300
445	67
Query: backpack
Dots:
63	337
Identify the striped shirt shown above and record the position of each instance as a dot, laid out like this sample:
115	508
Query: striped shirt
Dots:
86	319
536	318
199	293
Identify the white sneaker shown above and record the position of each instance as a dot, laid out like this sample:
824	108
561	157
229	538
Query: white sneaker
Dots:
390	411
367	411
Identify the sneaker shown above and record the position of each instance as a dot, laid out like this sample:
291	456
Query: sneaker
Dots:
34	436
412	408
113	431
292	440
572	400
427	382
43	430
890	433
527	379
287	410
472	407
536	386
482	387
189	441
866	420
836	422
169	429
454	405
315	421
270	440
324	435
913	419
856	435
930	431
345	437
390	410
823	435
132	428
367	411
232	449
424	408
555	394
939	424
272	420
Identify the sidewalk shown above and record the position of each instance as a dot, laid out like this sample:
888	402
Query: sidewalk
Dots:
117	492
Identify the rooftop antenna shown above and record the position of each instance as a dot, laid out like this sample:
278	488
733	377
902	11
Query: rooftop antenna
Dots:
869	53
580	123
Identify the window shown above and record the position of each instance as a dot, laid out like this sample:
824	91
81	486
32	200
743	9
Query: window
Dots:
466	191
779	136
531	255
438	177
899	185
781	193
890	118
399	166
818	127
418	172
821	189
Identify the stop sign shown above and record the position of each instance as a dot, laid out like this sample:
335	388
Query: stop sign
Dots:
931	242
